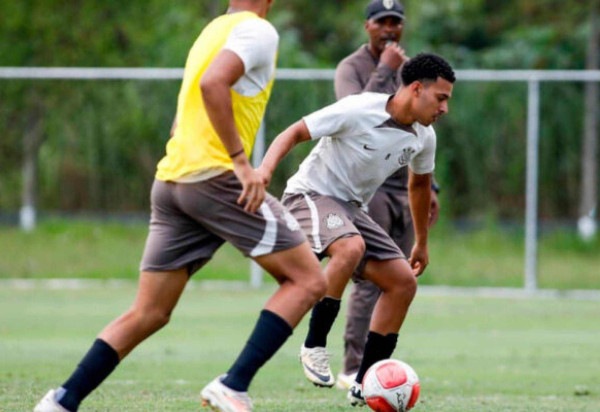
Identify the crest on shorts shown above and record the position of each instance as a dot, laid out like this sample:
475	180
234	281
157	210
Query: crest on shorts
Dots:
291	221
388	4
333	221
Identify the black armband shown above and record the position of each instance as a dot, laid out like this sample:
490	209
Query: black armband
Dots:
239	152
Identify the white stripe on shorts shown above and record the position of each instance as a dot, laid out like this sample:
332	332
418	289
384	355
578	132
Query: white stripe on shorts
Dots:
314	217
266	244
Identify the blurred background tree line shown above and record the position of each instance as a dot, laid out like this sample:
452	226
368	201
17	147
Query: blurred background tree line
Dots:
99	141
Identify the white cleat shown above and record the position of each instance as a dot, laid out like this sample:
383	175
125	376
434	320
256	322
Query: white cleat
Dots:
221	398
355	395
315	362
49	403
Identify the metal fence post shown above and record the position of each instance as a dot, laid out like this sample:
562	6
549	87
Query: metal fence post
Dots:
531	229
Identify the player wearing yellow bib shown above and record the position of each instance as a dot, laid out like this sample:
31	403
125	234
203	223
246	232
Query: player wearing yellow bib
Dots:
206	193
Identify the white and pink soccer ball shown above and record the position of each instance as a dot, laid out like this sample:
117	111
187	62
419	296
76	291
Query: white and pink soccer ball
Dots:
391	385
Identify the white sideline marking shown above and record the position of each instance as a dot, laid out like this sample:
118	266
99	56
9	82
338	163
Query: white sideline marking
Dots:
426	290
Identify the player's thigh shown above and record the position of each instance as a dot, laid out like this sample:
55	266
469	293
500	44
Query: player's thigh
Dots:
378	244
298	264
390	274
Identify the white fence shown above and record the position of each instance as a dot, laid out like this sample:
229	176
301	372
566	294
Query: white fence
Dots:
531	77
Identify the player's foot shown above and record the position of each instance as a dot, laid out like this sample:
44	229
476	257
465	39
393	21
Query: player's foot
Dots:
344	381
355	395
49	403
315	362
220	398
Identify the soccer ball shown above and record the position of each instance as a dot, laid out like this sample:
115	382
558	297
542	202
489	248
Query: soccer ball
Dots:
391	385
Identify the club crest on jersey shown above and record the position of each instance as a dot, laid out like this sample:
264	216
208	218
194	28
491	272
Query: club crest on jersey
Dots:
406	155
291	221
333	221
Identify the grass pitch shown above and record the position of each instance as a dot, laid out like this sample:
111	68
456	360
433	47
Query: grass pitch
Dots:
489	256
471	353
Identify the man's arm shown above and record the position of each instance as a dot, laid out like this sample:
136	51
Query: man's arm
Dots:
281	146
382	78
347	79
419	195
221	75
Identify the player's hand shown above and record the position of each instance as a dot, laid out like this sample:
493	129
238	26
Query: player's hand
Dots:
393	55
434	209
419	259
265	175
253	187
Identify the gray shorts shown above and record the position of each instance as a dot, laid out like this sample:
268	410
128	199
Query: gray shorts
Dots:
190	221
325	219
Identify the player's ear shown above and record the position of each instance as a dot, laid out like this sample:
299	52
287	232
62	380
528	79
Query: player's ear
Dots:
416	87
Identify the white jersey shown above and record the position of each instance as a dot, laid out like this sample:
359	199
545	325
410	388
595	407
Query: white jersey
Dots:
360	147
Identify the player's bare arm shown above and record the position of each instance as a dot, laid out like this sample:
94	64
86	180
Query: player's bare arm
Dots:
281	146
221	75
419	194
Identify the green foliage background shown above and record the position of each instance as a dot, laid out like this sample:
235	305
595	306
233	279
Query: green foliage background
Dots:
102	139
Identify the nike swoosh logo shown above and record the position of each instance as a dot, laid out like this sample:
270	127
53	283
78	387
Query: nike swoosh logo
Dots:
367	147
324	378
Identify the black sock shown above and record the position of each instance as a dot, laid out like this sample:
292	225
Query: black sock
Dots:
378	347
95	366
269	334
321	319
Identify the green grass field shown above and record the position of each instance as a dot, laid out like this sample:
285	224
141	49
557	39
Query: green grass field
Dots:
471	353
488	256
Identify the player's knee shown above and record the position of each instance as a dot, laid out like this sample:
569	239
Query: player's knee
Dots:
161	319
154	319
406	284
350	249
316	287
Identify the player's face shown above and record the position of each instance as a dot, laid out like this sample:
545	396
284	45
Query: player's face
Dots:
384	30
431	100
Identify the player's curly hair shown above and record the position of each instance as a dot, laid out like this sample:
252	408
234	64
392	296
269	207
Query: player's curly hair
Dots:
426	66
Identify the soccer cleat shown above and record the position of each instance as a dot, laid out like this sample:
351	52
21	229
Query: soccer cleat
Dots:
345	381
221	398
315	362
49	403
355	395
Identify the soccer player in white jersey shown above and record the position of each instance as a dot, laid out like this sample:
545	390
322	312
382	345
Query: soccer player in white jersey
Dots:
364	139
